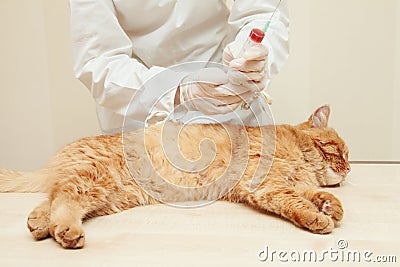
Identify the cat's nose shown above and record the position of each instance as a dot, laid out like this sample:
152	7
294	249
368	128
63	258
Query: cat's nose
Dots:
348	168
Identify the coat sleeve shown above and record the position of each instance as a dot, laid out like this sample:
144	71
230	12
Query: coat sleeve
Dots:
246	15
102	59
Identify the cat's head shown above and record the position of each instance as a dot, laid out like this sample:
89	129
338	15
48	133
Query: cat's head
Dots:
331	147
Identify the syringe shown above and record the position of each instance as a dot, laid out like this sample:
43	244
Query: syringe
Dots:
256	36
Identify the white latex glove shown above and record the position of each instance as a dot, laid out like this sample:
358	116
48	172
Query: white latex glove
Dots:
209	91
247	70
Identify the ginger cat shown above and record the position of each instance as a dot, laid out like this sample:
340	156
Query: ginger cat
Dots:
93	176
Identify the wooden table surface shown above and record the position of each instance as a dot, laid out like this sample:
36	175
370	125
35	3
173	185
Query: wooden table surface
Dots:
219	234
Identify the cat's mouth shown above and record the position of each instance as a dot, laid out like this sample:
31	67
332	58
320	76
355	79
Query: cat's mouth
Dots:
334	179
333	185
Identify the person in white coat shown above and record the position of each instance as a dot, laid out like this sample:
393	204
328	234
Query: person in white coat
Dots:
139	59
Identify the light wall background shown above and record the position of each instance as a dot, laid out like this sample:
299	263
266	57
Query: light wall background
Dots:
345	53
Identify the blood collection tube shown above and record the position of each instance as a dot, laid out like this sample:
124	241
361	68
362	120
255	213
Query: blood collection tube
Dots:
255	37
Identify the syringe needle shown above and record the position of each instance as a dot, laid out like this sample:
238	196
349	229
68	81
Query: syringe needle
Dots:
266	26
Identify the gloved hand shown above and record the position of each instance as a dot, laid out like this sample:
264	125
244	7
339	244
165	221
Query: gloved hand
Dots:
209	91
247	70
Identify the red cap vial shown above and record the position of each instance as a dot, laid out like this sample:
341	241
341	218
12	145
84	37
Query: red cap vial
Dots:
256	35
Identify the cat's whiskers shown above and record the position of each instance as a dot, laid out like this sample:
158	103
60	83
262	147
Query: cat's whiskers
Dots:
350	183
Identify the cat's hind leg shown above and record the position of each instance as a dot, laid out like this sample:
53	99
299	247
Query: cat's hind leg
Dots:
59	220
75	199
66	222
68	210
38	221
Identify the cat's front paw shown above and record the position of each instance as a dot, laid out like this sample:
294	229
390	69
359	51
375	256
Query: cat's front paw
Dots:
316	222
329	205
69	236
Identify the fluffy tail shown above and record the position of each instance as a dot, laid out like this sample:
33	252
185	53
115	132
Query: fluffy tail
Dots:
13	181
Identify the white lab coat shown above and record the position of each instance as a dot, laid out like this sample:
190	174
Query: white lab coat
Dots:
120	46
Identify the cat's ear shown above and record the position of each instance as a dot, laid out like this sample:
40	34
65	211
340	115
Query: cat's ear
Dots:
320	117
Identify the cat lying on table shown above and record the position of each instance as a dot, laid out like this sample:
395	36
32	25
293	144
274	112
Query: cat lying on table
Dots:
93	176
